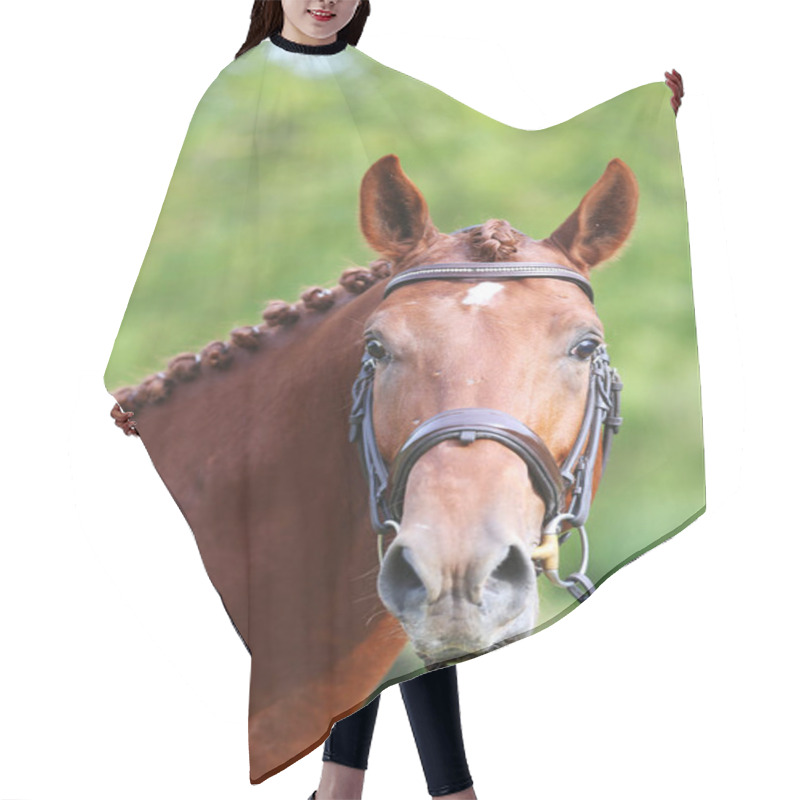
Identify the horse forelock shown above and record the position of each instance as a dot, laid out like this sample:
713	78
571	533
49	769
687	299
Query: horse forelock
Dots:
495	240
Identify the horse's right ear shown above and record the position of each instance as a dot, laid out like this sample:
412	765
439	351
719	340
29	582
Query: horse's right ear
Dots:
601	224
393	213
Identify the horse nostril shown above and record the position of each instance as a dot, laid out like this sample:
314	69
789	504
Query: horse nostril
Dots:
514	569
399	584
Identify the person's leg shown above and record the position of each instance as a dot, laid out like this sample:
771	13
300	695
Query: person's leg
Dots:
433	710
345	755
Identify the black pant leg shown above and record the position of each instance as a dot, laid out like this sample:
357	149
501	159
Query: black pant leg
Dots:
433	710
350	738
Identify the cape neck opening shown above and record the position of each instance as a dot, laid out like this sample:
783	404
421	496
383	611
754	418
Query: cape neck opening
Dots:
309	49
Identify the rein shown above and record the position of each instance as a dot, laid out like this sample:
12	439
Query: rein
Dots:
387	483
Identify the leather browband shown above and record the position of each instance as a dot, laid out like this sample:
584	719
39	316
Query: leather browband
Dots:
495	270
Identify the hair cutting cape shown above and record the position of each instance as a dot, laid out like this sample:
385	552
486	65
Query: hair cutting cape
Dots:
300	181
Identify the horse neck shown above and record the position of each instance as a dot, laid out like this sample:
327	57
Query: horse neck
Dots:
306	401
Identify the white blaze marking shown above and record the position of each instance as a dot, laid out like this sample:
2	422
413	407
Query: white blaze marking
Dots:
481	294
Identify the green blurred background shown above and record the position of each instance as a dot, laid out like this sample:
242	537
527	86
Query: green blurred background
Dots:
264	203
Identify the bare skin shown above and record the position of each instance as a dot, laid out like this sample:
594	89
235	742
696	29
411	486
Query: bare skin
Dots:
302	26
339	782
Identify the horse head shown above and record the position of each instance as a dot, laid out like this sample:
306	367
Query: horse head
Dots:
460	574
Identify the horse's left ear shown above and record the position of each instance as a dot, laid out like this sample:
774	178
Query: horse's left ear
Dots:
602	222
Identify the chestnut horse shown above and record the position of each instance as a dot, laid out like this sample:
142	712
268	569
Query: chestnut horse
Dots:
251	439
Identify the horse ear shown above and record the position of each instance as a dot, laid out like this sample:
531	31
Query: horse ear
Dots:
602	222
393	213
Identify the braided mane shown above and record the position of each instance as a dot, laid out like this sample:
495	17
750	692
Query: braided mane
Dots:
495	240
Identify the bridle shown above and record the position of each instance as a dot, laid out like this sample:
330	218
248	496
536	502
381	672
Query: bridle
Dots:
551	482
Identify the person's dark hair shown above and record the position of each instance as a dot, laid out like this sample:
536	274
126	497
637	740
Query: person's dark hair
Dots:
266	18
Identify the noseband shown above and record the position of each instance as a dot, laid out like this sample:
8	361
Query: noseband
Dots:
550	482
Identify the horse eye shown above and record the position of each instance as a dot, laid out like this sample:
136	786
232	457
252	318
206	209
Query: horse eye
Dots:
376	349
585	348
